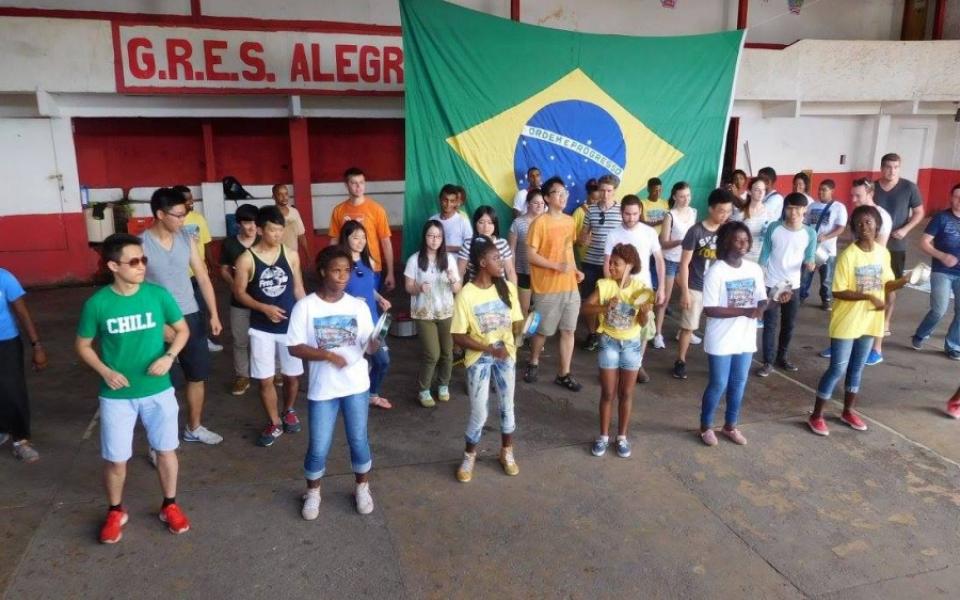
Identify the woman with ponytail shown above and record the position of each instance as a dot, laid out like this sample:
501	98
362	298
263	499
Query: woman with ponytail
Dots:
485	318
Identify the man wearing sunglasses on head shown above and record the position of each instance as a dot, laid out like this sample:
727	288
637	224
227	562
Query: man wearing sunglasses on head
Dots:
601	218
172	254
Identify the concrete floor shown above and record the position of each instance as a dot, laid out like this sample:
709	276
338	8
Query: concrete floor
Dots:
855	515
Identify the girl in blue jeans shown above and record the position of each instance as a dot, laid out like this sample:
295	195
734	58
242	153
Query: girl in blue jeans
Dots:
363	284
624	306
734	297
331	330
860	286
486	317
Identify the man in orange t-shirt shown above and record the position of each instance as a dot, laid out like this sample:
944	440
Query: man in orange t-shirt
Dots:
359	207
554	278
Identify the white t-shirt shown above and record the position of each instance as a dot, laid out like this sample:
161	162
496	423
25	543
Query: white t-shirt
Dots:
785	251
343	327
741	287
886	222
455	229
642	237
438	302
520	201
773	202
836	216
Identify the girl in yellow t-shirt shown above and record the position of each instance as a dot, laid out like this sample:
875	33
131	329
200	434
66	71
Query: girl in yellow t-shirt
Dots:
485	318
860	285
625	307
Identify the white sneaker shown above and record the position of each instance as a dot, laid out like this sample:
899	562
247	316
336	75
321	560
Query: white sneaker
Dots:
364	499
695	339
201	434
3	438
152	456
658	342
311	505
212	346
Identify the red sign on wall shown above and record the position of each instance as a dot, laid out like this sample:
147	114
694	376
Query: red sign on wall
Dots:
157	59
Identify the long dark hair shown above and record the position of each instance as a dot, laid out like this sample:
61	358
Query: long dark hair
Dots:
725	237
480	246
348	229
422	260
489	211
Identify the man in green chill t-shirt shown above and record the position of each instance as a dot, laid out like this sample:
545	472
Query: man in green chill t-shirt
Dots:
127	317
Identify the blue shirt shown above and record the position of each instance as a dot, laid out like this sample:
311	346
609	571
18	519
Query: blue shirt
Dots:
10	291
363	285
945	229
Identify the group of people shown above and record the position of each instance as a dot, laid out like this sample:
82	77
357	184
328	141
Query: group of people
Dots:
476	297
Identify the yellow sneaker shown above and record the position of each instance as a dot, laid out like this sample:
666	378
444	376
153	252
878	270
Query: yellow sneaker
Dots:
465	472
509	464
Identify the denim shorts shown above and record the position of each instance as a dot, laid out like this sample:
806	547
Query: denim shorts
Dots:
671	268
620	354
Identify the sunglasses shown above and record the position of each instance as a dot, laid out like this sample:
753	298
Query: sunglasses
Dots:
135	262
603	218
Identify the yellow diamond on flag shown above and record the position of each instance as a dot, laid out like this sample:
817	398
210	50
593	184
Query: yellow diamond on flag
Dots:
489	147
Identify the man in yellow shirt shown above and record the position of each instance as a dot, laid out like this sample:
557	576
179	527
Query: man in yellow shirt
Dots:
553	279
360	207
195	224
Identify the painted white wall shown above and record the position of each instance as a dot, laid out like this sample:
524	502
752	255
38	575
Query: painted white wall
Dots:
157	7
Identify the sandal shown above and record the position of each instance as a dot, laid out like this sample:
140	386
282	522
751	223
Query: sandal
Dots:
568	382
380	402
531	374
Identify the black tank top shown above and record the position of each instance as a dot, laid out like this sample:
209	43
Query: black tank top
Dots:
271	284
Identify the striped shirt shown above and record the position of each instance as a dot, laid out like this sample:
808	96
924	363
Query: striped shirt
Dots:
520	227
502	246
600	222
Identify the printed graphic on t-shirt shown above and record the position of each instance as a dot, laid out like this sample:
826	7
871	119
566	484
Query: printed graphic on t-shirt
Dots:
868	278
654	216
740	293
492	316
621	316
138	322
273	281
335	331
707	250
192	229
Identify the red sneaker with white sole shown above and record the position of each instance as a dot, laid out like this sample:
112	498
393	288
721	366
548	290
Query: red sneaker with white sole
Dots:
953	409
176	521
112	529
853	420
818	425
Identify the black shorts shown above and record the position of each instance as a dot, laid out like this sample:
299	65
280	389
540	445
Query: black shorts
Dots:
523	281
194	359
898	261
591	274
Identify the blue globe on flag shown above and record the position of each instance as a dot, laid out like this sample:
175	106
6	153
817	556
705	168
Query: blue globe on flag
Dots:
573	140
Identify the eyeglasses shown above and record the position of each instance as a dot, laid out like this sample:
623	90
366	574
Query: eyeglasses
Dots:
434	236
178	216
561	192
135	262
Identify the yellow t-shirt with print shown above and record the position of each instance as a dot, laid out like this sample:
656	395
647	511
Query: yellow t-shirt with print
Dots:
654	211
196	225
481	314
620	322
864	272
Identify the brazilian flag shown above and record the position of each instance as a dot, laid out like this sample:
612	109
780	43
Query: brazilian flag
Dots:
487	98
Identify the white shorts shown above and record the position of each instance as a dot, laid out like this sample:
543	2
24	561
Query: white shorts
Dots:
264	348
118	418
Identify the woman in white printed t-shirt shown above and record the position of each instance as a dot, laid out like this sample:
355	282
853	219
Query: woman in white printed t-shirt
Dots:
431	279
676	222
734	297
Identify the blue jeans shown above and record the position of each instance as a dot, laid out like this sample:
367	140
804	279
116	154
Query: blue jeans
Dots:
941	284
826	281
379	362
478	388
323	419
846	356
728	375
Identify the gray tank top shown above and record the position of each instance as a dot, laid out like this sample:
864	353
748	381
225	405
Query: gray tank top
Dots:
170	268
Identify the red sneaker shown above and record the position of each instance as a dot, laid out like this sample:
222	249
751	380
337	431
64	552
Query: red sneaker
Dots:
818	425
953	409
853	420
176	521
112	529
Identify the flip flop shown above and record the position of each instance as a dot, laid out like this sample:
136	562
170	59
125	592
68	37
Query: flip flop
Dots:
380	402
